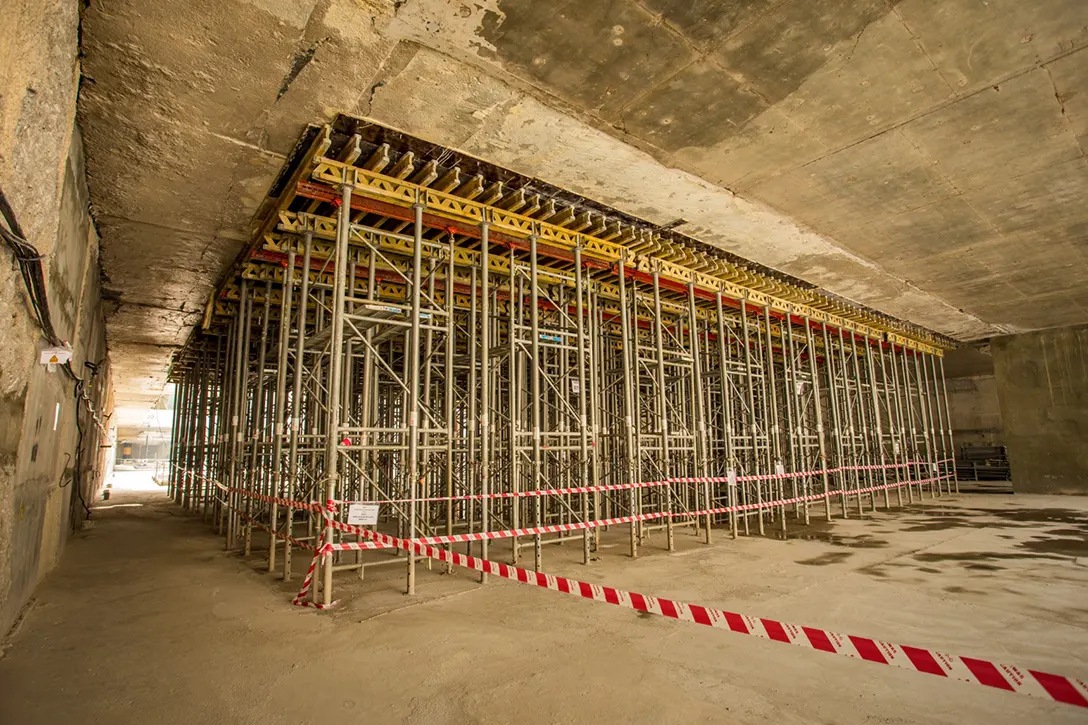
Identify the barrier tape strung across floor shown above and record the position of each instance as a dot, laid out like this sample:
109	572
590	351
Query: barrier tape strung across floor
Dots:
651	484
600	523
300	505
263	527
300	598
968	669
268	529
250	494
553	528
527	531
813	497
319	555
371	543
1024	681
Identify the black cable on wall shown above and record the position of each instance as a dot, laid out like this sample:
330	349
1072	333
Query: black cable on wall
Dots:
30	265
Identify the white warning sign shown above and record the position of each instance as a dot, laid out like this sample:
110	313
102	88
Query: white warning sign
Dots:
363	514
55	356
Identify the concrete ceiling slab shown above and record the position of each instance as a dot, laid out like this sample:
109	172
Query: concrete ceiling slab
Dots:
877	178
876	81
976	44
584	50
139	374
768	146
673	115
154	255
948	226
190	64
781	49
979	142
1070	78
152	326
1061	308
143	169
1037	200
406	99
707	22
335	77
861	146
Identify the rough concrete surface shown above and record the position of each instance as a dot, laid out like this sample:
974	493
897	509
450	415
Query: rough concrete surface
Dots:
173	630
1042	386
923	158
974	411
42	175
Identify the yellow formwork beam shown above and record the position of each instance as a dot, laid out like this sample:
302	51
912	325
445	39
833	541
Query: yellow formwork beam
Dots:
740	284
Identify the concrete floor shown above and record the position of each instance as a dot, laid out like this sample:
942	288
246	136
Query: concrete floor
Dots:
147	620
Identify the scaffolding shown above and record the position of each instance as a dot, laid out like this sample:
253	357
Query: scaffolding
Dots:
460	363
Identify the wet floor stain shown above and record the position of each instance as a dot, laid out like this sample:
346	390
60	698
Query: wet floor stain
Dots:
1065	532
1039	516
831	557
827	533
1047	534
969	557
1071	524
1062	546
862	541
975	566
938	525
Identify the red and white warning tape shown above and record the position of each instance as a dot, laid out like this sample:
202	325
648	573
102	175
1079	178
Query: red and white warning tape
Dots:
489	535
1020	680
319	554
526	494
557	528
759	505
607	487
649	484
300	599
601	523
969	669
281	536
257	523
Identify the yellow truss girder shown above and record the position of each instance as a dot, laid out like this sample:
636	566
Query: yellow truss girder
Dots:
733	281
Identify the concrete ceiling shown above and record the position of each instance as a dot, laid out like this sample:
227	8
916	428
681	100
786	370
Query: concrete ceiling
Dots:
923	158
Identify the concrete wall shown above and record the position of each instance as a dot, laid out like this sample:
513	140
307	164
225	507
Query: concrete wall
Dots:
972	398
1042	385
42	174
975	412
